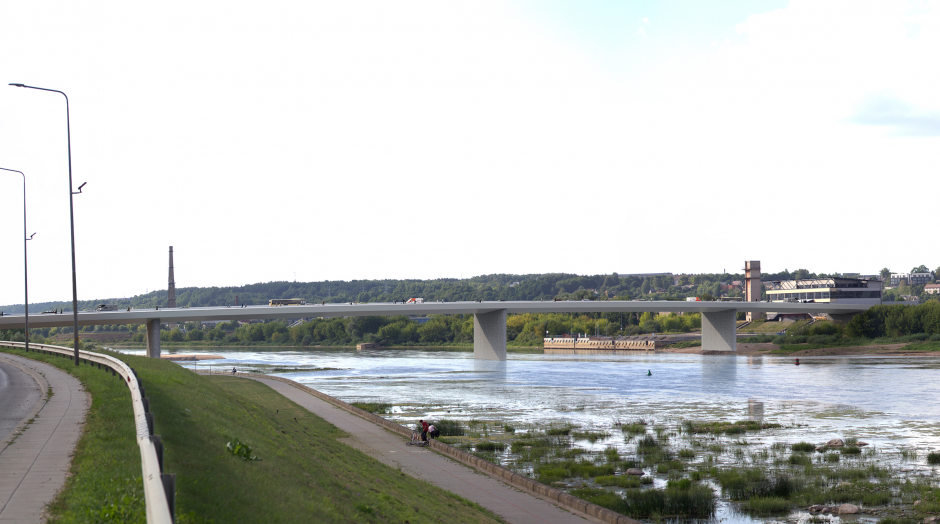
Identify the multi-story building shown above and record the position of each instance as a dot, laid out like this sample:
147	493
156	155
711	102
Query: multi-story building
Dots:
932	289
913	279
843	290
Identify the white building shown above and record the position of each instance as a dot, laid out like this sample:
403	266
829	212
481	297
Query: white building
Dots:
913	279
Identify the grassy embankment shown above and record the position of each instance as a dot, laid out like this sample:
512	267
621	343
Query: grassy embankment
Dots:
304	475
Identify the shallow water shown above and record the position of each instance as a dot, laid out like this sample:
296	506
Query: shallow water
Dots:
888	402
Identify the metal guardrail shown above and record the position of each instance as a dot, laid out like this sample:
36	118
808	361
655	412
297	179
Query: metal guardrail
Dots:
159	488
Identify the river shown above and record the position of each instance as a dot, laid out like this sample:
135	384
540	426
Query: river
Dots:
888	402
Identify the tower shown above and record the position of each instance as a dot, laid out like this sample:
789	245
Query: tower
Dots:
171	286
752	284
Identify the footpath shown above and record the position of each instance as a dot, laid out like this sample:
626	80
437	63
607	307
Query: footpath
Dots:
510	503
35	455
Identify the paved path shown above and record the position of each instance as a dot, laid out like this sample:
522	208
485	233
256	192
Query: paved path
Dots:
515	506
19	394
34	466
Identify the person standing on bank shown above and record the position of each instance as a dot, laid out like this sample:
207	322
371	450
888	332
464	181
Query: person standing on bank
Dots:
424	430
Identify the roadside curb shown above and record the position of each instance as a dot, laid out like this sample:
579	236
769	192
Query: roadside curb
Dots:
43	399
494	470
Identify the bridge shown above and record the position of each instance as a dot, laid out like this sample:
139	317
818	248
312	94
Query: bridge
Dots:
719	319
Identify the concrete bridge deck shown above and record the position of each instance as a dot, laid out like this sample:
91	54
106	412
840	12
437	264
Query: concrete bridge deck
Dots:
718	318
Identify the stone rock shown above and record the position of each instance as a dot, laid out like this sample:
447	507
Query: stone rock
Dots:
931	520
821	448
848	509
835	443
861	444
816	508
635	471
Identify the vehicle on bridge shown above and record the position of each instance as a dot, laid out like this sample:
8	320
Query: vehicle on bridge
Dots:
415	301
287	302
106	307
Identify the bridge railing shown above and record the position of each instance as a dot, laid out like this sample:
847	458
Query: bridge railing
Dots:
159	488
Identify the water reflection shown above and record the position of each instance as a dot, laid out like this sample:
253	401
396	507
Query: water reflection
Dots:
755	410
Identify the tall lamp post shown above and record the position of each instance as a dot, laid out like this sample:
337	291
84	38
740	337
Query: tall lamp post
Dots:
25	258
68	131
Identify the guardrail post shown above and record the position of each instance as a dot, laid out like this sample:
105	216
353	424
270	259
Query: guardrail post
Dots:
149	417
158	447
146	402
169	486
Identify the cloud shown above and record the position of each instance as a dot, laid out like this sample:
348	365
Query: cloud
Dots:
641	31
888	110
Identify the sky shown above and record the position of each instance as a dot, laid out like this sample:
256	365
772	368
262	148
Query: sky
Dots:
314	140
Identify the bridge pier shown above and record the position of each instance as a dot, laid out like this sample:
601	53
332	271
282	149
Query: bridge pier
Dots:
720	330
153	338
489	335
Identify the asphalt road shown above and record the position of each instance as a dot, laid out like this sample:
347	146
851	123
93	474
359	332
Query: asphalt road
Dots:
18	395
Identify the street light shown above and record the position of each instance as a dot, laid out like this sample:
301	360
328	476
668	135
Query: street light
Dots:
25	273
68	131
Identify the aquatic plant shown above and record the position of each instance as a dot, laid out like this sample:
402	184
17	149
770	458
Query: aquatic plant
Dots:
647	444
728	428
696	501
634	428
490	446
558	431
508	429
611	454
933	458
799	460
373	407
620	481
590	436
449	428
767	505
744	484
686	453
803	447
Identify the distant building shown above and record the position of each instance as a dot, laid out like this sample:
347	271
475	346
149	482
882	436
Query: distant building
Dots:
832	289
913	279
932	289
367	345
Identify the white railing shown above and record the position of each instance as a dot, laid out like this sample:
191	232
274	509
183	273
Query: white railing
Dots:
158	488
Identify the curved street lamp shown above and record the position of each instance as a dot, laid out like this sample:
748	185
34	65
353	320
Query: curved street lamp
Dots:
68	131
25	258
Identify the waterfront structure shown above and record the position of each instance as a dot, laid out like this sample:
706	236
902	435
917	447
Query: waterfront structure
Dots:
912	279
866	292
592	344
171	285
367	345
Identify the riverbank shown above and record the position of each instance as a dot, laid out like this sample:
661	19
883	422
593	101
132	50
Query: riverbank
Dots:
744	349
305	473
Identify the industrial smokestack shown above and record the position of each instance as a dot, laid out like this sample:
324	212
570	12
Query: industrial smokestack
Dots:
171	286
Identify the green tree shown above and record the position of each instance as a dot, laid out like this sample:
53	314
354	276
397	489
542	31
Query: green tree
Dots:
920	269
885	274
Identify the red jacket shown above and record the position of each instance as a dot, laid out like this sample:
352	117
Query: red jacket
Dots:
424	425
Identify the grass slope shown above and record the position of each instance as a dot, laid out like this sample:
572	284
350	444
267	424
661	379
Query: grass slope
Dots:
304	475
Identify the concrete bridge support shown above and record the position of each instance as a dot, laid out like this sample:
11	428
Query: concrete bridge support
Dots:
489	335
720	330
153	338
